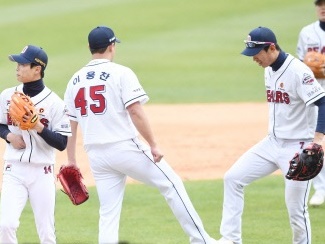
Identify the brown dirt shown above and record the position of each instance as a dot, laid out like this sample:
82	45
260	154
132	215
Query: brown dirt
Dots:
200	141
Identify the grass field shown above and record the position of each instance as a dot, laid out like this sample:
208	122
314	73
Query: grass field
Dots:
183	52
146	218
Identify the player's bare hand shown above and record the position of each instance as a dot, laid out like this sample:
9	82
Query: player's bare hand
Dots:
72	163
39	126
16	141
157	154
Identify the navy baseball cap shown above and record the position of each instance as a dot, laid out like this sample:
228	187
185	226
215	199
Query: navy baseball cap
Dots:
30	54
101	37
257	39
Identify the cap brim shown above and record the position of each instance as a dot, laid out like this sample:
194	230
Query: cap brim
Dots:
19	59
251	51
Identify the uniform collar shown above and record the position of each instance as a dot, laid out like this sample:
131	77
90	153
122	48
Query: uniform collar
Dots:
279	61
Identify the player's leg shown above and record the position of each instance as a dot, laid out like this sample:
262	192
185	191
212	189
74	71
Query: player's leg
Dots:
13	200
42	199
110	186
252	165
110	193
296	197
139	165
318	197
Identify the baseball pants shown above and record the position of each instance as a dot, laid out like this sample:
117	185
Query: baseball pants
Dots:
261	160
111	164
22	181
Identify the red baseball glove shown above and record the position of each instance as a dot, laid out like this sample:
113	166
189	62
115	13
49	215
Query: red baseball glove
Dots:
71	181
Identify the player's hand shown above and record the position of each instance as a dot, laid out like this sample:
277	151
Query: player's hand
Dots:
72	163
16	141
322	66
28	116
157	154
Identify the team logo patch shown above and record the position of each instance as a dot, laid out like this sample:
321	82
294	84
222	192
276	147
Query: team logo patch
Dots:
307	79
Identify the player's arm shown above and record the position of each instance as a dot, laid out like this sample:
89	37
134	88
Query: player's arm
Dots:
54	139
15	140
141	122
71	146
320	127
4	131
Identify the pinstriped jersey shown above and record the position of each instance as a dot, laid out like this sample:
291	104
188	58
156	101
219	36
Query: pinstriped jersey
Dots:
97	97
311	38
291	92
52	114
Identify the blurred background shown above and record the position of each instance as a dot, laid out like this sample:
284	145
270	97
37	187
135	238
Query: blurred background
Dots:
182	51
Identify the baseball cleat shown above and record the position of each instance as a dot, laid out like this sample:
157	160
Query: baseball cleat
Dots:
317	199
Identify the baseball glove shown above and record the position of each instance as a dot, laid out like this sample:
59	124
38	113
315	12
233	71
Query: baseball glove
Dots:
307	164
71	181
316	62
19	105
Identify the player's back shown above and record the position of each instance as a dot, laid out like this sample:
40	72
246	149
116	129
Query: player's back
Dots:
97	97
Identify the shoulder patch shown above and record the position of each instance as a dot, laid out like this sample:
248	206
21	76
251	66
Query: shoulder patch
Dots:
307	79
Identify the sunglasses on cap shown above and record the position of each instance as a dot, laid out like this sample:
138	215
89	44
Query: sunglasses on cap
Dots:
251	44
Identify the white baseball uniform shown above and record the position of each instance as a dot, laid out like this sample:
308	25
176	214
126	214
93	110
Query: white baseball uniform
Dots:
312	38
29	173
97	97
290	91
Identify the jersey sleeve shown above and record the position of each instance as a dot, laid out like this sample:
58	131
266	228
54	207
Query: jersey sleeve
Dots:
5	98
301	45
3	109
60	119
68	100
132	90
308	87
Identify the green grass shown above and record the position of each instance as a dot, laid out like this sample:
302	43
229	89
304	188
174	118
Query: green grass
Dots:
182	51
147	219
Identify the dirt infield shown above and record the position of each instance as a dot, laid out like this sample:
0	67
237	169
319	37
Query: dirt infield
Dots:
200	141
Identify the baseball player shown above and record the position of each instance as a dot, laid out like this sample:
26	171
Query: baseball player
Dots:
312	38
29	157
295	121
105	99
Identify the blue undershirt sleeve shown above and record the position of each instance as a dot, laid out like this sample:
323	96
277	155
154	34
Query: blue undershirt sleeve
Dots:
321	115
4	131
54	139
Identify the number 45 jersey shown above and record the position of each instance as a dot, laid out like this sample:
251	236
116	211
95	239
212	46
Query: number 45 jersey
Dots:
97	97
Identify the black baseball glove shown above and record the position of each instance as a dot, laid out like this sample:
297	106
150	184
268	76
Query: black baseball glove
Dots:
307	164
